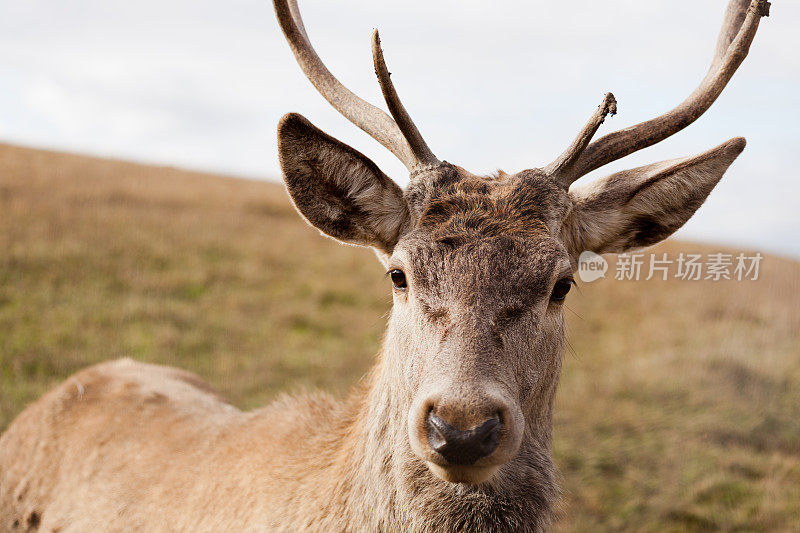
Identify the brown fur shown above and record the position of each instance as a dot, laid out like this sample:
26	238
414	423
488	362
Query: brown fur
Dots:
130	446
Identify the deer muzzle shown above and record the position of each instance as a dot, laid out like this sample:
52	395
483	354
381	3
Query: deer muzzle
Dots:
465	436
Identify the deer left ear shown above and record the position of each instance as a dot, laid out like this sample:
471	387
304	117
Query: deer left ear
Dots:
640	207
337	189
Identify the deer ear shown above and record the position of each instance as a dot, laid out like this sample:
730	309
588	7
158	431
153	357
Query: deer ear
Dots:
640	207
337	189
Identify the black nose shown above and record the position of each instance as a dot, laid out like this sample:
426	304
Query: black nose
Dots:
463	447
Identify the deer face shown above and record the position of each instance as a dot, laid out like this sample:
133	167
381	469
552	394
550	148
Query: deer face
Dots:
481	265
477	325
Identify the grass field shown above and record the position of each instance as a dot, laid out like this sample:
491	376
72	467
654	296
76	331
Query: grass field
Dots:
679	405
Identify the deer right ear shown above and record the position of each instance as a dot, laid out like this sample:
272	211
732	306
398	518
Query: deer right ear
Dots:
337	189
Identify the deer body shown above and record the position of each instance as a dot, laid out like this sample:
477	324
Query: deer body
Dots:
452	430
221	469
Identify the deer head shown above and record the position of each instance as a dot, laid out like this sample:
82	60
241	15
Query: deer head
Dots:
481	265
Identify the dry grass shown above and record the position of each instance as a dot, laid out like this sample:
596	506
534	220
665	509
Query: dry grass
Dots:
679	407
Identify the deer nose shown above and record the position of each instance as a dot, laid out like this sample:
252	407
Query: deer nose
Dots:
463	447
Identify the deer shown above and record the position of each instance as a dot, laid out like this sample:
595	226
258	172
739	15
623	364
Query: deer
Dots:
452	428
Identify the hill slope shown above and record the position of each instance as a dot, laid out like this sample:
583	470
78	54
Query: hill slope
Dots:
679	406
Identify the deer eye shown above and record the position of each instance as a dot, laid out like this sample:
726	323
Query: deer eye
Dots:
398	279
561	289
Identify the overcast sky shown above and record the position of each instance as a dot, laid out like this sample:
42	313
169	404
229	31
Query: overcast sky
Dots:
501	84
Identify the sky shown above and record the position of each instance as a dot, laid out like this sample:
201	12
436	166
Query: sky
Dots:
494	85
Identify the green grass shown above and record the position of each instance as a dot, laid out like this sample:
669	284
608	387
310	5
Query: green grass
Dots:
679	406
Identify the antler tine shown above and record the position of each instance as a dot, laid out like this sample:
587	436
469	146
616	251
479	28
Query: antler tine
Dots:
738	30
366	116
561	166
396	108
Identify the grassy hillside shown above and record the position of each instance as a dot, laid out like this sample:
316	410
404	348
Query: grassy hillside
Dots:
679	406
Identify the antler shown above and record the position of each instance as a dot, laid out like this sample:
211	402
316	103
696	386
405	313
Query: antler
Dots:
399	135
396	108
565	161
738	30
